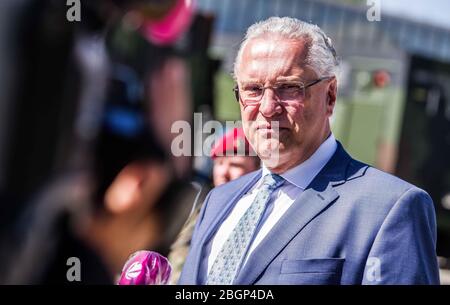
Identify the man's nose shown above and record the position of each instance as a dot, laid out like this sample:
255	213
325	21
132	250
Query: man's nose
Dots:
270	105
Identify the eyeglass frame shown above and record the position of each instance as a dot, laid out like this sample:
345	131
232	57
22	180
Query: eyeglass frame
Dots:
305	86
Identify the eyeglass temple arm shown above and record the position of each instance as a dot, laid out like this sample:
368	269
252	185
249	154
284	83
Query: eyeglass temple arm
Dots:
317	81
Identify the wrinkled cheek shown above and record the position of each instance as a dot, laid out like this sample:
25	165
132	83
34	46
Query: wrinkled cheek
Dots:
248	117
296	118
305	116
249	113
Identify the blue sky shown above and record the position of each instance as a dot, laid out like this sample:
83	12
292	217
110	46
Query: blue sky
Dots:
435	12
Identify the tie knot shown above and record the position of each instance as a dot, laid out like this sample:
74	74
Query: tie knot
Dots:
272	181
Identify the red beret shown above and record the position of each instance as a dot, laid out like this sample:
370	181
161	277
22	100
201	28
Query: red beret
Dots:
232	143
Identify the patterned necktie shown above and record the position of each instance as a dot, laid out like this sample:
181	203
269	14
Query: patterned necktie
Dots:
230	257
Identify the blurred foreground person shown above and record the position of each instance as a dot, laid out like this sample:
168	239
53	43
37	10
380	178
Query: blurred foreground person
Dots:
233	157
118	195
100	216
313	214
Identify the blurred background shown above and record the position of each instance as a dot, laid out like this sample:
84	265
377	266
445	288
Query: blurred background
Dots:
74	94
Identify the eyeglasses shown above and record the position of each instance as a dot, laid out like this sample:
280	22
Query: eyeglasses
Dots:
251	94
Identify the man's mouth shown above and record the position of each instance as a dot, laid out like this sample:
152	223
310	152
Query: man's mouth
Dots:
263	126
268	126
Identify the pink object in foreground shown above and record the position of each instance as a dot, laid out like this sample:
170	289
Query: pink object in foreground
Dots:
146	268
166	30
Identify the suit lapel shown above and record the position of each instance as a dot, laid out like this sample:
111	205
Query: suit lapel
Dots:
224	209
317	197
303	210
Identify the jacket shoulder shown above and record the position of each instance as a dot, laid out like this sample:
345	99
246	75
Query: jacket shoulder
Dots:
381	186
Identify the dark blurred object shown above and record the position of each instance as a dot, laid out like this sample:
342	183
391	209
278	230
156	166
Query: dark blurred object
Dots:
425	140
50	86
125	134
88	124
46	90
43	41
203	80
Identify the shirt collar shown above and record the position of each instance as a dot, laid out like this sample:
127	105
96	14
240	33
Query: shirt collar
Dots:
302	174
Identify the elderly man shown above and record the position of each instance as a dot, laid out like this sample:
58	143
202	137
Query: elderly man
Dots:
312	215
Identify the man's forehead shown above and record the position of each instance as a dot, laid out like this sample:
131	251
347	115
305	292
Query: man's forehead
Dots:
270	45
274	56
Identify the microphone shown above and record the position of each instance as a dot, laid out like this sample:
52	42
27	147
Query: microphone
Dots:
146	268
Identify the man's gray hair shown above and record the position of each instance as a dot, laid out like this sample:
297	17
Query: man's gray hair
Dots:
321	55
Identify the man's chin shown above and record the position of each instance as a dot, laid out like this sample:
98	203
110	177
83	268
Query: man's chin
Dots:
270	151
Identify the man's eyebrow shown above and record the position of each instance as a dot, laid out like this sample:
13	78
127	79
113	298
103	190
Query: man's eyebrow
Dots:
277	80
289	79
251	81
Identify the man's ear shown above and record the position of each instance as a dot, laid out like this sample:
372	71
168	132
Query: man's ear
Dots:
331	95
129	190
